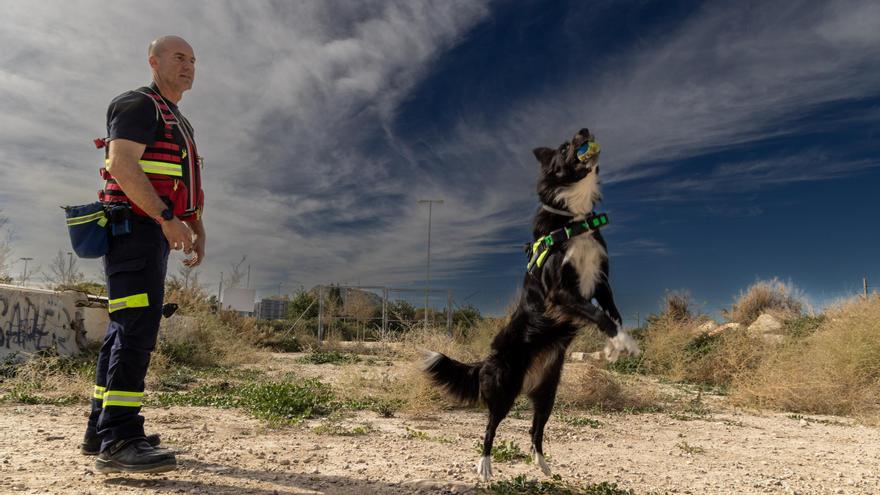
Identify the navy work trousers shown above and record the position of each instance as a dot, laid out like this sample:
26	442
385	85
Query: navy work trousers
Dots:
135	267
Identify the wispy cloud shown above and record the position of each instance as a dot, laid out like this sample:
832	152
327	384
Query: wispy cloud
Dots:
295	107
639	247
736	178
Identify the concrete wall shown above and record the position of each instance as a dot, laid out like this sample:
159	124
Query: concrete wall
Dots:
33	320
96	319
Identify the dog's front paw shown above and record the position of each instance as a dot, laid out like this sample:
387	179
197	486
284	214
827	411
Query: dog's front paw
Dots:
622	342
484	468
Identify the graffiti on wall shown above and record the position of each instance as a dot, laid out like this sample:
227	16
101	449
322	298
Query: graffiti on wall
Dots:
33	321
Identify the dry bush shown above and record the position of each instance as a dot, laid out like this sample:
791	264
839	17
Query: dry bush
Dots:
48	378
677	351
409	386
780	299
223	339
588	339
406	386
589	387
678	306
835	370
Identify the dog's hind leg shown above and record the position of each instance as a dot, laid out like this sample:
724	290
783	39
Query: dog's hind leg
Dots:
484	466
543	397
499	395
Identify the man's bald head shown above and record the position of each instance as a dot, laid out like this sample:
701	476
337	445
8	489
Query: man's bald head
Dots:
160	44
173	64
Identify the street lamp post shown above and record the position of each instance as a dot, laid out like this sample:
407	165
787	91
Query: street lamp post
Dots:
430	203
24	273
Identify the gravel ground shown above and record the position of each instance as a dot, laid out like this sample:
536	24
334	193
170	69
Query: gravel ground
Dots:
228	452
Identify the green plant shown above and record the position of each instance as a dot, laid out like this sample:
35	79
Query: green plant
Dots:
329	357
521	485
335	428
800	417
287	402
627	365
414	434
505	451
803	326
690	449
580	421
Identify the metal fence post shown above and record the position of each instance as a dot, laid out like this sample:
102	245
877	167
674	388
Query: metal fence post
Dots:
384	312
449	311
321	314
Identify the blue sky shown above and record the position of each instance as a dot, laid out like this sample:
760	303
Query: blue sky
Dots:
739	138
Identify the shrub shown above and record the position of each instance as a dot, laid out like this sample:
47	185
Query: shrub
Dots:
521	485
331	357
782	300
833	370
47	378
594	388
504	451
676	351
277	402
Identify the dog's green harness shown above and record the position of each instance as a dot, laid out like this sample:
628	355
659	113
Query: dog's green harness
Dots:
542	248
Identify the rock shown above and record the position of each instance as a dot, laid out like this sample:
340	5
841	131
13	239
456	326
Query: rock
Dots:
706	327
725	328
765	323
431	486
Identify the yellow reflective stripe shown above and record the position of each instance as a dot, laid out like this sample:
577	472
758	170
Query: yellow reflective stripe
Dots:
85	218
123	399
99	392
122	403
123	393
135	301
162	168
158	168
541	258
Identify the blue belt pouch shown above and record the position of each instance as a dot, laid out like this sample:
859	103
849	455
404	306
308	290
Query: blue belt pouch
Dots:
87	225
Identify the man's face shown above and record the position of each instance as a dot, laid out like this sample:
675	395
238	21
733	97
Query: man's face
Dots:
175	65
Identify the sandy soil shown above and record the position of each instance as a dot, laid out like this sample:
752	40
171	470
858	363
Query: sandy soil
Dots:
228	452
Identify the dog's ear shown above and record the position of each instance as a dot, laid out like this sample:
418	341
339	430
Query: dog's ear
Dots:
544	155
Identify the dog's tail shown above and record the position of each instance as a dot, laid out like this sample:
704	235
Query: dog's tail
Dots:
461	380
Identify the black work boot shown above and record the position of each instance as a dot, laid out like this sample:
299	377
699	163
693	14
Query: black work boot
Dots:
135	456
91	444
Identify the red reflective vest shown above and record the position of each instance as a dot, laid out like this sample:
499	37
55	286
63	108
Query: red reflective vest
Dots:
171	163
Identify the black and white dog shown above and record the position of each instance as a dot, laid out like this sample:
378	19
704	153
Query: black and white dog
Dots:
528	353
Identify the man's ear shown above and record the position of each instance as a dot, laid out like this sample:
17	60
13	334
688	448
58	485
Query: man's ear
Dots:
544	155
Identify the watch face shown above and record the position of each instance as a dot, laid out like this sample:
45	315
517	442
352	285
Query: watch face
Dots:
167	214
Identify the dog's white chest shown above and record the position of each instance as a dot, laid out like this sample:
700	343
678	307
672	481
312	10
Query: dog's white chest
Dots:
585	254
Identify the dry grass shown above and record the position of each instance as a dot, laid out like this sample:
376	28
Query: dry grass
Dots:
834	370
780	299
588	387
410	387
47	378
677	351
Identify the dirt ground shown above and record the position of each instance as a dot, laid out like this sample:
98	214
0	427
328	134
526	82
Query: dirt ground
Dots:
229	452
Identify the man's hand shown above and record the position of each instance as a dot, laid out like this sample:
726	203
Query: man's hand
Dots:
198	229
198	252
178	234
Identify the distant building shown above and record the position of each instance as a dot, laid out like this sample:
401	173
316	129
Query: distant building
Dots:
272	309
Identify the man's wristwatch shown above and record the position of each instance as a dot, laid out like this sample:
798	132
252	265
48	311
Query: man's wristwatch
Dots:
165	216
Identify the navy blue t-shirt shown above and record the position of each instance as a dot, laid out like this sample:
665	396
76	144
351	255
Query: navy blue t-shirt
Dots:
132	116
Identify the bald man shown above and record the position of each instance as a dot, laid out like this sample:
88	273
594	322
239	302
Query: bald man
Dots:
154	198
